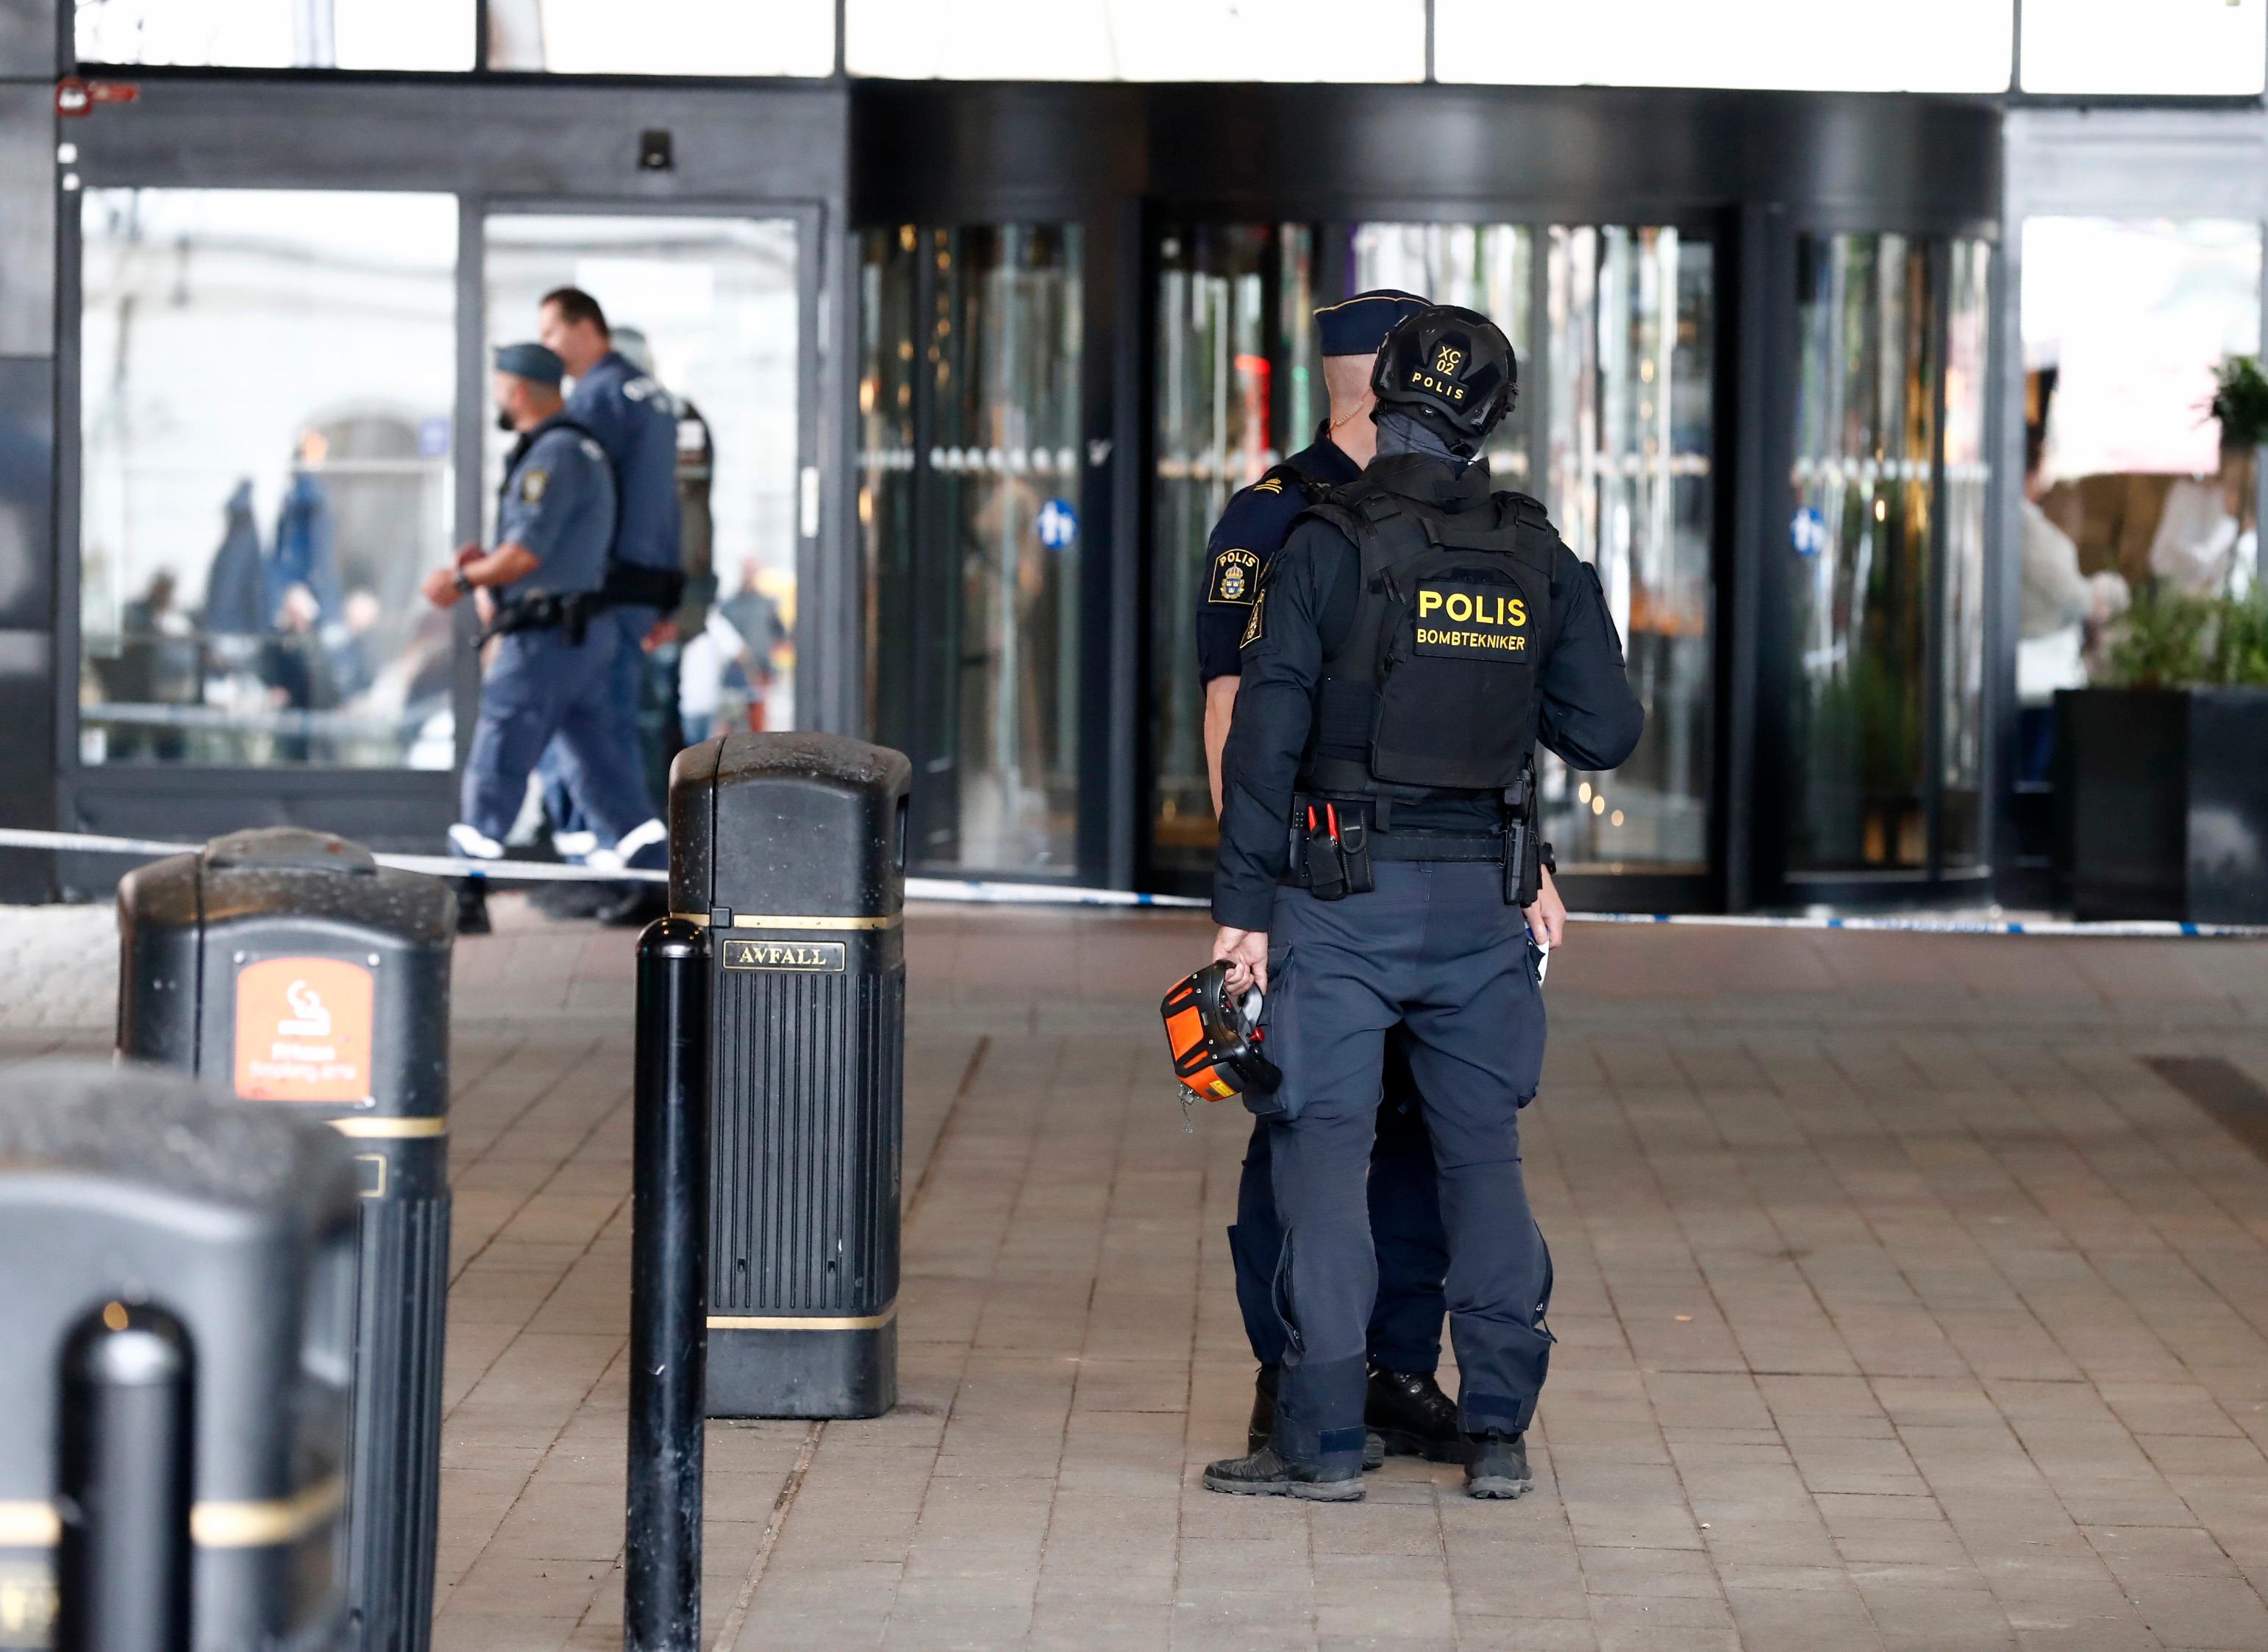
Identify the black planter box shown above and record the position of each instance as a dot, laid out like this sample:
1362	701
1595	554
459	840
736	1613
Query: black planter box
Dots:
2168	802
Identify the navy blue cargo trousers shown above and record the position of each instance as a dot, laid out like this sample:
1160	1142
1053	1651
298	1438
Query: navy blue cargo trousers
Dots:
1405	1229
1437	951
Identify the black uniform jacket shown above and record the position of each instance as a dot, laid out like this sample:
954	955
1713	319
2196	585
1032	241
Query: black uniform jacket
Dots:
1587	713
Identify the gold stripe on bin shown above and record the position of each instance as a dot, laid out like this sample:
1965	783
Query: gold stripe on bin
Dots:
767	920
263	1524
800	1321
390	1129
29	1523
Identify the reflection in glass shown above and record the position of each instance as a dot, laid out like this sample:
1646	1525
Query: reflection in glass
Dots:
415	35
266	383
1632	339
708	306
669	37
1968	476
1006	329
1774	45
888	453
1239	386
1137	40
1866	438
970	499
2120	48
1483	267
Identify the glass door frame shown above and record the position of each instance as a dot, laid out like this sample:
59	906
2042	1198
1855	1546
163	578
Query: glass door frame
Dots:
1641	890
1770	245
1107	792
742	151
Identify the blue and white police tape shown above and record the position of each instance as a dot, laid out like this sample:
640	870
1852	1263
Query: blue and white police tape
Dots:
986	892
969	890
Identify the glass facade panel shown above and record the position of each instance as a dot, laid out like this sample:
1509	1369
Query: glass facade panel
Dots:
2173	48
1795	45
1239	386
669	37
1967	478
709	306
975	643
1632	341
1485	267
266	386
1858	562
413	34
1138	40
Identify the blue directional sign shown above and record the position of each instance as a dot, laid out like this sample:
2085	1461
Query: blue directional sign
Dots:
1807	533
1058	524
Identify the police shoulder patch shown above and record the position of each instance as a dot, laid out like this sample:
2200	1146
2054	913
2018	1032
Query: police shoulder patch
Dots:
1235	578
1268	485
1256	626
532	482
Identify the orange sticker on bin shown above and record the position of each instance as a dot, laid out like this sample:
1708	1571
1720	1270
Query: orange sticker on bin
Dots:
303	1030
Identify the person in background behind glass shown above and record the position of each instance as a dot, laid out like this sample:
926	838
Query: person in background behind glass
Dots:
306	535
2060	604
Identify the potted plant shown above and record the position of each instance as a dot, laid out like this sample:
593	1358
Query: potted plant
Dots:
2166	765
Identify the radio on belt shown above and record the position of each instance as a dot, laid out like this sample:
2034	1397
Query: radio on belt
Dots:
288	968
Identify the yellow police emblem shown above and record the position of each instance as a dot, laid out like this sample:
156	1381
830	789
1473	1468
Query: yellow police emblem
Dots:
1257	625
1235	578
532	486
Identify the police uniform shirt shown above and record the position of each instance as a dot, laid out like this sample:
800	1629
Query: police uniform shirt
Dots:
1585	710
1250	534
635	421
558	501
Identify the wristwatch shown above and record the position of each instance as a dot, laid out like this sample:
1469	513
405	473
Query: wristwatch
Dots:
464	585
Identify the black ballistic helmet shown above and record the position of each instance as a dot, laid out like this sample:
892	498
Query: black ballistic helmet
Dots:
1451	370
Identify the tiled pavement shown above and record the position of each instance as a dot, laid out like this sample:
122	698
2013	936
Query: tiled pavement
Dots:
1899	1305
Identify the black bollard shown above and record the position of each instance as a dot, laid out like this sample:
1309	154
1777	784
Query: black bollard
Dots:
669	1214
122	1560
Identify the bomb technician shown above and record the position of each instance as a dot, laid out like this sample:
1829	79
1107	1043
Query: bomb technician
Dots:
1406	1411
1416	638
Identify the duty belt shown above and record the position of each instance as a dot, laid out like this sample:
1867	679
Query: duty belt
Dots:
569	613
1335	843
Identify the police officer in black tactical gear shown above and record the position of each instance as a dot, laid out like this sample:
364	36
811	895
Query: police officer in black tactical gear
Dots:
1407	1413
1416	638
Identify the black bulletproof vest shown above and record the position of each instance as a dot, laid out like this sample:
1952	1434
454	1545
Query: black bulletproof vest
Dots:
1433	688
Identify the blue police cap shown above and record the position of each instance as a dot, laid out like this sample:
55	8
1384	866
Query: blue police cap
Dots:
1359	325
530	361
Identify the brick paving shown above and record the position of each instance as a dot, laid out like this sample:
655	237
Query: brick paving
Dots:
1900	1304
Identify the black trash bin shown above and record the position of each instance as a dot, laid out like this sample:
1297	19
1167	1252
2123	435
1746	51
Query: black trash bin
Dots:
791	849
177	1282
288	968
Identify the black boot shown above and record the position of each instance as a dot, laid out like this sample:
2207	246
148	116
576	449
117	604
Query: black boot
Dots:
1415	1419
1262	1429
1264	1474
472	907
1497	1466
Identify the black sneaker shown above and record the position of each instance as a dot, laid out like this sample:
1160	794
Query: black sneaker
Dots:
1264	1474
1412	1418
1262	1429
1497	1466
472	908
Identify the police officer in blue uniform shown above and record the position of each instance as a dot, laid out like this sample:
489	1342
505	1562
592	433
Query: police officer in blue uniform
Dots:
635	421
1378	870
1407	1412
551	672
